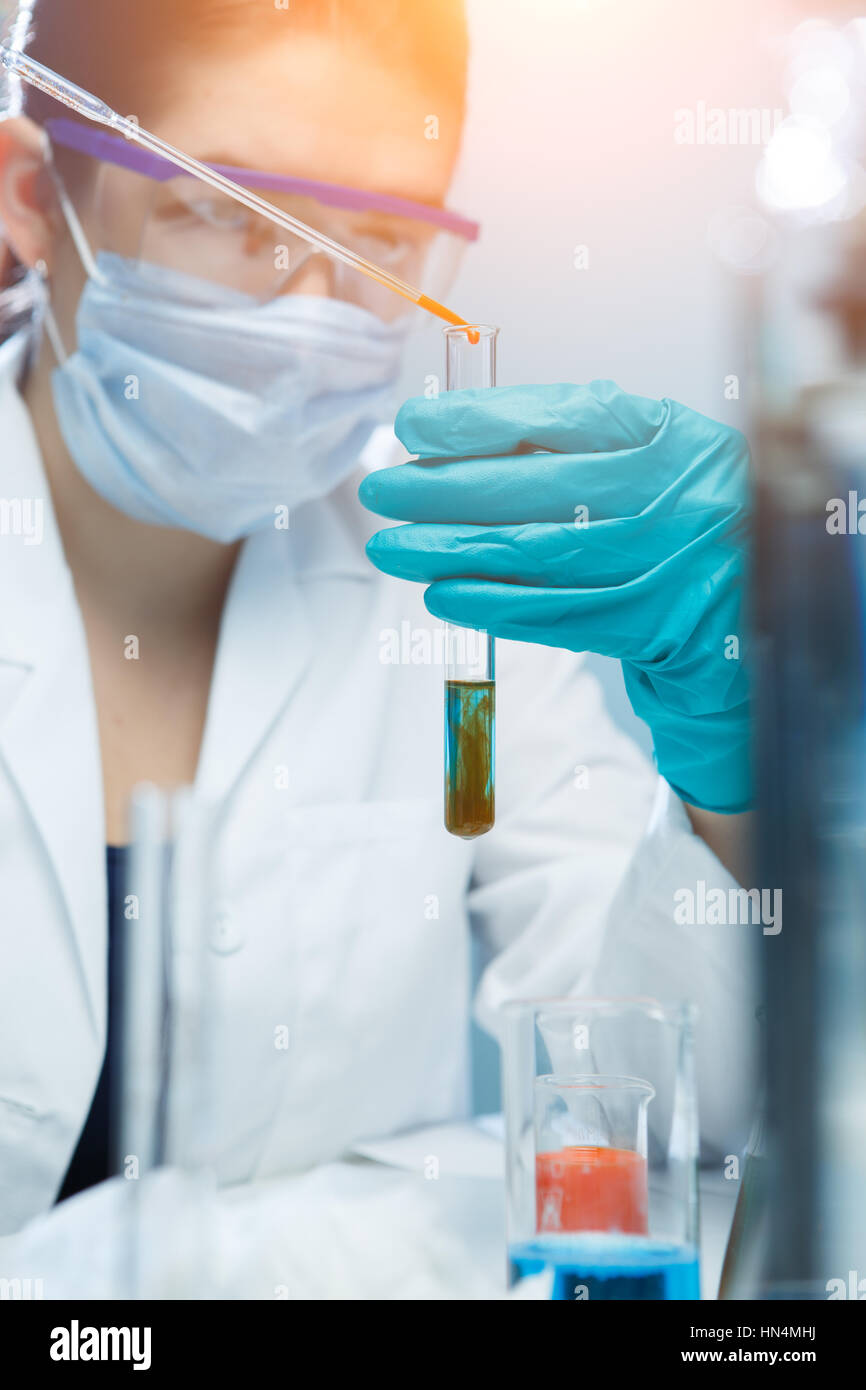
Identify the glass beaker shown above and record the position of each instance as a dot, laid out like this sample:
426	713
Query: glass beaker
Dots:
590	1153
602	1147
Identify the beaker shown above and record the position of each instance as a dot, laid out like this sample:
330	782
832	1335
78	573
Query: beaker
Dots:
602	1147
590	1153
470	676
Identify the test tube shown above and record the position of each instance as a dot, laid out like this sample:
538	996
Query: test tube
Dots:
470	690
164	1100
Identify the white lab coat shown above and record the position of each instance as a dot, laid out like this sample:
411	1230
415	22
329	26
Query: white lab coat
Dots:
343	907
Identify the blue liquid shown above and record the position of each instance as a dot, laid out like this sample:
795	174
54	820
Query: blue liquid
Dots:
604	1267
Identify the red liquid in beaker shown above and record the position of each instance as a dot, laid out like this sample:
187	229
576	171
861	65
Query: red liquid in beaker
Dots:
586	1188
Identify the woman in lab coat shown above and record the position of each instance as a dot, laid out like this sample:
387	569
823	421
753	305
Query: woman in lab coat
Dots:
185	598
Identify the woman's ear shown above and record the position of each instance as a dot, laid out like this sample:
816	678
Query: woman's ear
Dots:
27	204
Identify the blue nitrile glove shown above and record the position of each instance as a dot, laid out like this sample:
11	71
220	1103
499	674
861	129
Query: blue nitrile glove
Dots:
627	536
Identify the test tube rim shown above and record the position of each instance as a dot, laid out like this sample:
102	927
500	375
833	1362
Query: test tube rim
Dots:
485	330
677	1011
589	1081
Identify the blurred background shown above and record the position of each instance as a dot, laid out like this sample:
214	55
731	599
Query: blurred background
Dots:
571	143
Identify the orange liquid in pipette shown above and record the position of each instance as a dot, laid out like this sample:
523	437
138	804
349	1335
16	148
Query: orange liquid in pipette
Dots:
434	307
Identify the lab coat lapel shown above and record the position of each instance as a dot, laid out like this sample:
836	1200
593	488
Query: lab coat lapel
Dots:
49	738
266	644
262	652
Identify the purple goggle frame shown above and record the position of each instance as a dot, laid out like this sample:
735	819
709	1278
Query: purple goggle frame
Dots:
116	149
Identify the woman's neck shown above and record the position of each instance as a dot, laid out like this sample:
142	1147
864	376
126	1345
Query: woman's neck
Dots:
120	565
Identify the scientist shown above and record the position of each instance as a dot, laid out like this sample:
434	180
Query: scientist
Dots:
191	415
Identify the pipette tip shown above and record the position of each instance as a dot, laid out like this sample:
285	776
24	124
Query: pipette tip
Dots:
441	311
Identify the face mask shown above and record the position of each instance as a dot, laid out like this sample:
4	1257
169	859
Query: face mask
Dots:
193	406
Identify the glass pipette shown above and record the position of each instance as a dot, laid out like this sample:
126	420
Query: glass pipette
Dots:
93	109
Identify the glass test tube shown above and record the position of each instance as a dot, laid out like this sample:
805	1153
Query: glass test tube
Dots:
470	691
164	1096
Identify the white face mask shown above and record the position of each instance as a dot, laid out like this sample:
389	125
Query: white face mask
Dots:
216	416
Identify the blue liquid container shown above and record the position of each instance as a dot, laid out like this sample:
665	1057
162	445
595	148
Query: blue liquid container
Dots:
596	1267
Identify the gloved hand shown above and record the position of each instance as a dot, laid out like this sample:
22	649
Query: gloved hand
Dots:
627	536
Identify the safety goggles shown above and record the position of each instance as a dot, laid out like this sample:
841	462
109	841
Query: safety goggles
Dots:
147	211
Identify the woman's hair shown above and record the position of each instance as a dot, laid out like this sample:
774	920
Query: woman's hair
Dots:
110	46
113	48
